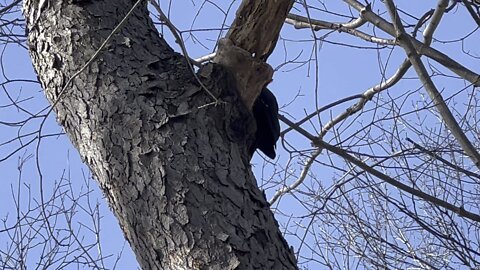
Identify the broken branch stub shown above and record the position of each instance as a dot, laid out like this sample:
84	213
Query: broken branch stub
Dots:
250	40
251	74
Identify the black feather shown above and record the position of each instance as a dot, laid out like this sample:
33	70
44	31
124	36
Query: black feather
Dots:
265	111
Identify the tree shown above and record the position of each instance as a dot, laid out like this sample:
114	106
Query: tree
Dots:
168	144
174	170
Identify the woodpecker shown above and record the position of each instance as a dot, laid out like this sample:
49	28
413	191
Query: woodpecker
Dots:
265	111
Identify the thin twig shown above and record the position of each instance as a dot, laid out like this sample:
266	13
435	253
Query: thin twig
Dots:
420	47
369	169
470	10
301	178
58	98
430	87
300	22
179	40
6	8
444	161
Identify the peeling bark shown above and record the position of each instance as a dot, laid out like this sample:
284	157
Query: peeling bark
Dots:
177	177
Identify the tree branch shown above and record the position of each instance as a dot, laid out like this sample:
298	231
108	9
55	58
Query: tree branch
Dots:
257	26
251	39
421	48
398	184
436	17
470	10
447	116
303	22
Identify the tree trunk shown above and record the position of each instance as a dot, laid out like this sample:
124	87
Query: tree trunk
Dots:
176	174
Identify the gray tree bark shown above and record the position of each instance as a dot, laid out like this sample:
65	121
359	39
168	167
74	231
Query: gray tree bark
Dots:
177	175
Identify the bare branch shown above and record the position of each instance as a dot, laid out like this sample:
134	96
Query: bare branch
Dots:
301	178
344	154
300	22
420	47
474	15
435	20
434	94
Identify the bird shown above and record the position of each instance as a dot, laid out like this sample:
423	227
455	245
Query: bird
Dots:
265	112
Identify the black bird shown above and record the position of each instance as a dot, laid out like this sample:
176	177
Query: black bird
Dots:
265	111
